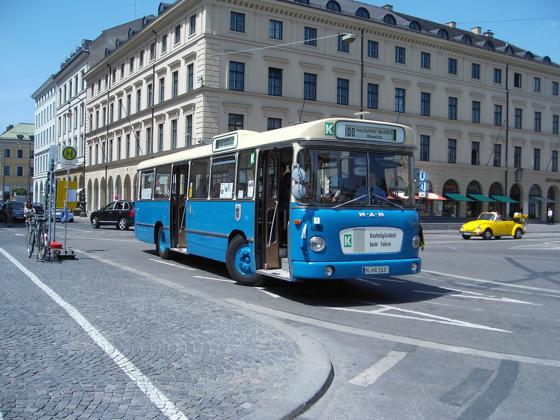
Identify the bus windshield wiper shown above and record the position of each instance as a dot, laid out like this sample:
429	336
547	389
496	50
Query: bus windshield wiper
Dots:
350	201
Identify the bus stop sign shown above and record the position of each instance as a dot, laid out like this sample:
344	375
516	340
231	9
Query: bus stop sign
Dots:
69	154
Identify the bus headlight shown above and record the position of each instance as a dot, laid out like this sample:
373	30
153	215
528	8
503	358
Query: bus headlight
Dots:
317	244
415	241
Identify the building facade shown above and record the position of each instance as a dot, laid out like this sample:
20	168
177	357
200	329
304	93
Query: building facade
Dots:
45	134
16	164
485	112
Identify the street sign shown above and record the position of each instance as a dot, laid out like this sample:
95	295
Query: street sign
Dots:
69	155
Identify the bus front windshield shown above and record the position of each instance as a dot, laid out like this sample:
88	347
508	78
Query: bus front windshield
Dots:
356	178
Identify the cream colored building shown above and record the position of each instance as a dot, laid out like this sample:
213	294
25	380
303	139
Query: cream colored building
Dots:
211	66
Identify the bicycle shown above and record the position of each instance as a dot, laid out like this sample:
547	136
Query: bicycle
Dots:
38	237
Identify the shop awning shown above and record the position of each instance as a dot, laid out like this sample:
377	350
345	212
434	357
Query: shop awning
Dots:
434	196
548	200
504	199
535	198
458	197
481	197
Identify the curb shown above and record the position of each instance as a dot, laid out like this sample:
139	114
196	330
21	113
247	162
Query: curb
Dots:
314	376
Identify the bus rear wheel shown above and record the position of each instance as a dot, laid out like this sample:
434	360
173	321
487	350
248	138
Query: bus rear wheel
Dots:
240	265
161	244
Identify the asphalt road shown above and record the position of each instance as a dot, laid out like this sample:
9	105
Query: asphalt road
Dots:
475	335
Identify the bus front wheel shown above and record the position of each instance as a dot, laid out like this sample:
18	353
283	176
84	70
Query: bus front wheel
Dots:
161	244
240	264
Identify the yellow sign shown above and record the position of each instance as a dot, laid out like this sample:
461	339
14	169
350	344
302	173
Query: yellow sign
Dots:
69	153
61	194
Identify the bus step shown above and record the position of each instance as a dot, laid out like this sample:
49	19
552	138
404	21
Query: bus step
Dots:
276	273
180	250
285	264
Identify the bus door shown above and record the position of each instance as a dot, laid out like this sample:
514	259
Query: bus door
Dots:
178	196
270	181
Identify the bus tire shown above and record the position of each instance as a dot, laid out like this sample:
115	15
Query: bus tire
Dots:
239	264
161	245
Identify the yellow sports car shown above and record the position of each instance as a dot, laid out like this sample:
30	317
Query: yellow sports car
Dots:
489	224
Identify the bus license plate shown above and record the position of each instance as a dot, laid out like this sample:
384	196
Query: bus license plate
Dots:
376	269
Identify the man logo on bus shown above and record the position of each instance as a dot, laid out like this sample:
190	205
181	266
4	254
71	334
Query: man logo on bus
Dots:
347	240
329	129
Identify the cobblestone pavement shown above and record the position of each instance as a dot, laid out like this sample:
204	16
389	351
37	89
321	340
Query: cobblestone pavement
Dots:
209	361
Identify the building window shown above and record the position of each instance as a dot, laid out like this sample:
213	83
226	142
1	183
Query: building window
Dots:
424	147
190	77
343	46
452	108
138	100
425	99
164	43
554	161
188	131
554	88
310	87
475	112
498	76
475	153
140	60
273	123
310	36
20	154
177	34
537	159
128	104
122	76
425	59
236	76
237	22
127	147
130	66
160	138
497	155
274	81
400	97
517	80
373	96
452	66
275	29
111	112
173	134
538	117
342	88
475	74
451	150
152	51
517	157
119	145
7	152
537	84
161	89
555	124
518	118
497	115
373	49
192	26
137	142
175	83
400	55
19	171
150	96
235	122
7	171
113	77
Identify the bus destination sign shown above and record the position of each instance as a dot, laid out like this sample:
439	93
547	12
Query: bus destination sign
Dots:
369	132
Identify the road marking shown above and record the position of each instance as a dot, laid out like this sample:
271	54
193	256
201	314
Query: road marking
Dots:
154	394
462	294
267	292
369	376
172	265
19	234
396	338
476	280
421	316
214	279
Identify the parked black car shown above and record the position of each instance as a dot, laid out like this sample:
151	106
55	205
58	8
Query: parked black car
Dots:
118	213
17	211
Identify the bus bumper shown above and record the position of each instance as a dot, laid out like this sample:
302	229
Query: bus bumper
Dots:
354	269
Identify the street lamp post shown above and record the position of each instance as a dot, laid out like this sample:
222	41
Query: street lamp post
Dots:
348	39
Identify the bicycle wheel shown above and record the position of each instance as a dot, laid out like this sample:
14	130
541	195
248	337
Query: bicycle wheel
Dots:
30	243
41	245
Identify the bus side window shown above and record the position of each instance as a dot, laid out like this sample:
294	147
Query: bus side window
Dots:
223	175
146	185
246	175
198	180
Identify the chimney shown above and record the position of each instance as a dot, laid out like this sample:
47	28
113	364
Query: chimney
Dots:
388	7
451	24
489	34
476	30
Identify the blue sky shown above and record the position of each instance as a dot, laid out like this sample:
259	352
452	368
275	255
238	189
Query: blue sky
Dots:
36	35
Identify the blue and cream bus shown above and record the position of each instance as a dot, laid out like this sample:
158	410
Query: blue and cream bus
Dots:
328	199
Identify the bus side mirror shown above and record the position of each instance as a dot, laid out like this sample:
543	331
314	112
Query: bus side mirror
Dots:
298	174
298	191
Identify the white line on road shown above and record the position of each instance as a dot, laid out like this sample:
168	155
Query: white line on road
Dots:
451	348
500	283
172	265
214	279
154	394
421	316
462	294
19	234
369	376
268	293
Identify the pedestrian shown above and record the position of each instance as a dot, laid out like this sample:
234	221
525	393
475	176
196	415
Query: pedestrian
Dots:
550	216
9	215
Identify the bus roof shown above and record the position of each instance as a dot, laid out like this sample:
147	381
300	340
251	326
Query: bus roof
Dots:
315	130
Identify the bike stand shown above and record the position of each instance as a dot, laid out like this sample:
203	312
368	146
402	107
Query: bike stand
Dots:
67	254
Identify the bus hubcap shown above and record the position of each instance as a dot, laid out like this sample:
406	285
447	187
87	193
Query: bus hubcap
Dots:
243	260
